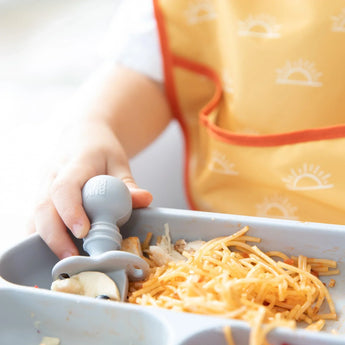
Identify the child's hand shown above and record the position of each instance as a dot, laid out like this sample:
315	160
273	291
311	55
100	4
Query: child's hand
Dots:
115	128
96	152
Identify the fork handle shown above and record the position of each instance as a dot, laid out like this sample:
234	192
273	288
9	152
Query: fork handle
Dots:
108	204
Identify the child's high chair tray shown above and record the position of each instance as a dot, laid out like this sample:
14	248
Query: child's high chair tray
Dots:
29	314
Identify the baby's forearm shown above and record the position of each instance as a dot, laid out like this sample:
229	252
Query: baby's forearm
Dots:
134	106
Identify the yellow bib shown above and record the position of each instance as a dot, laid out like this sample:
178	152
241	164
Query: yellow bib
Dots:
259	89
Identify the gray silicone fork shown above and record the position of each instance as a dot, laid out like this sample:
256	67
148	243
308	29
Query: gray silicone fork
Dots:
108	204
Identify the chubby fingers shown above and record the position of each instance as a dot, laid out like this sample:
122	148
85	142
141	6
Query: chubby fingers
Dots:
140	197
62	211
65	193
52	230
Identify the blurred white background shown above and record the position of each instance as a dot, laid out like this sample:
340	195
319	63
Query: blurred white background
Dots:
47	49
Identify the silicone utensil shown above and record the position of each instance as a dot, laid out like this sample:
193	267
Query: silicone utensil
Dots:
108	204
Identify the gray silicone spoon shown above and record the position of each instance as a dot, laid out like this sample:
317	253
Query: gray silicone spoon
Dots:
108	204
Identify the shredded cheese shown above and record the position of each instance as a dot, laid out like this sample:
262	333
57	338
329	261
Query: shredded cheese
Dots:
228	336
230	278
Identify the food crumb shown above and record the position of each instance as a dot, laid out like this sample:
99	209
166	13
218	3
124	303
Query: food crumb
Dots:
331	283
50	341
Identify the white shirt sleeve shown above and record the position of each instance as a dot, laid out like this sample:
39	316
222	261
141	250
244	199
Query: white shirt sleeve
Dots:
133	38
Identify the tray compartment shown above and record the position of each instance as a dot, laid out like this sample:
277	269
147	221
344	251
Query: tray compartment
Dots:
30	262
240	335
26	317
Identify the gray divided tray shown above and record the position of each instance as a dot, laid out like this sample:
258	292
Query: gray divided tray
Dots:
27	314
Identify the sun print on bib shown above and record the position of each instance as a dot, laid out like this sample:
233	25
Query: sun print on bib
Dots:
299	72
339	22
200	11
220	164
276	206
261	25
308	177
